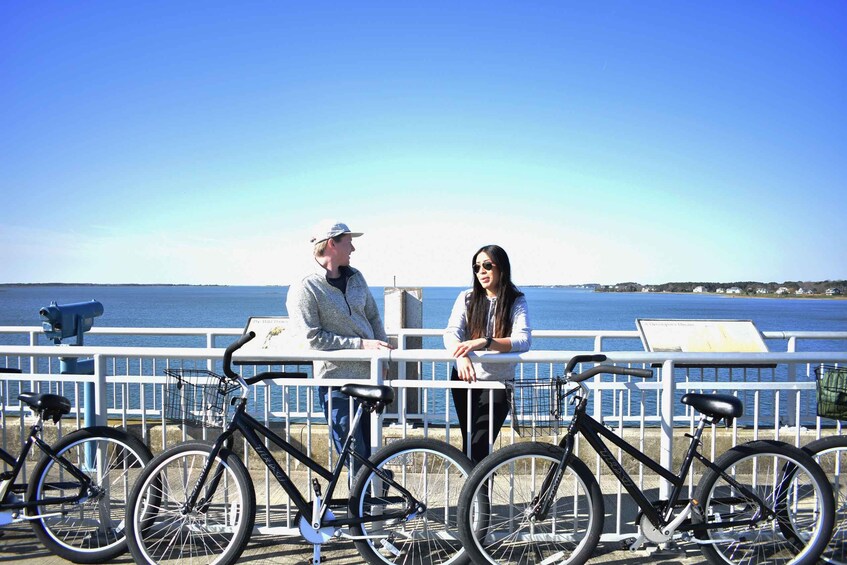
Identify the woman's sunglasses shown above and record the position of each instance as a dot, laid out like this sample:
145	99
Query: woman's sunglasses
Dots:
486	265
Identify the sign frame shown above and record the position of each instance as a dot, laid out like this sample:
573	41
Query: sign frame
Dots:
701	336
269	332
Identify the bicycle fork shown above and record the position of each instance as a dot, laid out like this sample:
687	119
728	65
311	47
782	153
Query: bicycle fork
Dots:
550	485
194	501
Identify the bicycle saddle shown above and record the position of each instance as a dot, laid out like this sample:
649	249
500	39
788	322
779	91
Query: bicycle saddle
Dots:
375	393
48	405
715	405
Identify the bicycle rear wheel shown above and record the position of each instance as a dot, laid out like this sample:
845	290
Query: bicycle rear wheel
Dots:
497	521
90	531
434	473
735	529
831	454
161	530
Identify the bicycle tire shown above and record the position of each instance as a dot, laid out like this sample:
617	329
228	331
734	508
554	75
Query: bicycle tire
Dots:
428	538
494	517
831	454
91	531
158	531
802	500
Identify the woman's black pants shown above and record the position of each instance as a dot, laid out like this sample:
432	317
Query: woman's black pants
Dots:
480	414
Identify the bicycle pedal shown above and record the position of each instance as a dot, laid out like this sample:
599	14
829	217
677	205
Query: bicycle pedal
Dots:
7	518
626	544
390	547
668	549
634	544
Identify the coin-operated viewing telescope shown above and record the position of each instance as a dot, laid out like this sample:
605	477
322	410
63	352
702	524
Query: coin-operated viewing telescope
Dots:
61	321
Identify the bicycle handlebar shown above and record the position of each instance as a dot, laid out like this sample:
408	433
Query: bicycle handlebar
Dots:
611	369
233	347
595	358
238	344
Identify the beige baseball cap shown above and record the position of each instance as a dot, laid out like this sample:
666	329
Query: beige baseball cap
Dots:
326	229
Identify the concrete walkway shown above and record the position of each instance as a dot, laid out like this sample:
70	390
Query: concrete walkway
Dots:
18	545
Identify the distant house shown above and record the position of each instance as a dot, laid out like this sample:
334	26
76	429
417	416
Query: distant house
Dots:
782	290
802	291
698	289
733	290
720	291
833	291
761	291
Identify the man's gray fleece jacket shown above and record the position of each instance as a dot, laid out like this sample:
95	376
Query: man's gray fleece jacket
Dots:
322	317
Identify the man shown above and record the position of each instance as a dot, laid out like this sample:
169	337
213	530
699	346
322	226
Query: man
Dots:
333	308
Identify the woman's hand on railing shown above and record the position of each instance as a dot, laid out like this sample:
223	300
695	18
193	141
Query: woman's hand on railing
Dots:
465	370
463	348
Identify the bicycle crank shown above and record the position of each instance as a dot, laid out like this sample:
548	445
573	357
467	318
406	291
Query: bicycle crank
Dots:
313	535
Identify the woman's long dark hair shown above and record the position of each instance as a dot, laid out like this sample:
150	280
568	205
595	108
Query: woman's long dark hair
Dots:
507	293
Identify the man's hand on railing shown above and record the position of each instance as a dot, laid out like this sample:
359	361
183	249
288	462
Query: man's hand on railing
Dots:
375	344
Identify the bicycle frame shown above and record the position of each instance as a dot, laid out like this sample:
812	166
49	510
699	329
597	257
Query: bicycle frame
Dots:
253	431
594	432
11	476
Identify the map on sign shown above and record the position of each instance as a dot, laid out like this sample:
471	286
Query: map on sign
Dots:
701	336
270	337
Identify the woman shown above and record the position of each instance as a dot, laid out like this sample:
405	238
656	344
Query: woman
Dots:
491	316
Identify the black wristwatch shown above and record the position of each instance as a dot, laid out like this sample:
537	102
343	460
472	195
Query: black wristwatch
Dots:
488	341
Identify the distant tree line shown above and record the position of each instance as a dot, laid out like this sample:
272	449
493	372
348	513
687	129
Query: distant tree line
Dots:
788	288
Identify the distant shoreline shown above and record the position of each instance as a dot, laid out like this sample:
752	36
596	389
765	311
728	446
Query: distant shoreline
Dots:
724	295
621	288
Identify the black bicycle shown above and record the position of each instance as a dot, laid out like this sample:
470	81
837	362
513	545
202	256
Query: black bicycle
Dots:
76	494
760	502
196	502
831	454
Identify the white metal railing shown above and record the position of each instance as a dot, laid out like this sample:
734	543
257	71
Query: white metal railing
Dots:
778	390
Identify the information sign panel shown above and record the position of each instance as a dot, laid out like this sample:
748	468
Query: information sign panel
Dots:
701	336
270	338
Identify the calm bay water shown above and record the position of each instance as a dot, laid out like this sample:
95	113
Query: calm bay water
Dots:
550	308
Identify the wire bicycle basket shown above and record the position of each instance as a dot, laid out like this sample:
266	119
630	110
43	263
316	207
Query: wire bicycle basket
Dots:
832	391
538	406
197	397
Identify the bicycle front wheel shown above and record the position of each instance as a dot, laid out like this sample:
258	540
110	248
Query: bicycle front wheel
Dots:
160	527
793	525
831	454
90	530
434	473
498	518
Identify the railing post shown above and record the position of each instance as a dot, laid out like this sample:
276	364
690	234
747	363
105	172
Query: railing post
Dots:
666	419
597	398
101	396
210	343
791	400
402	392
33	362
376	419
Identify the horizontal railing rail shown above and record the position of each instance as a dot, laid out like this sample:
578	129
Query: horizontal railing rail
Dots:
35	334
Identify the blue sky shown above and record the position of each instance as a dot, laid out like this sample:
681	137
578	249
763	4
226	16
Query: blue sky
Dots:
198	142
